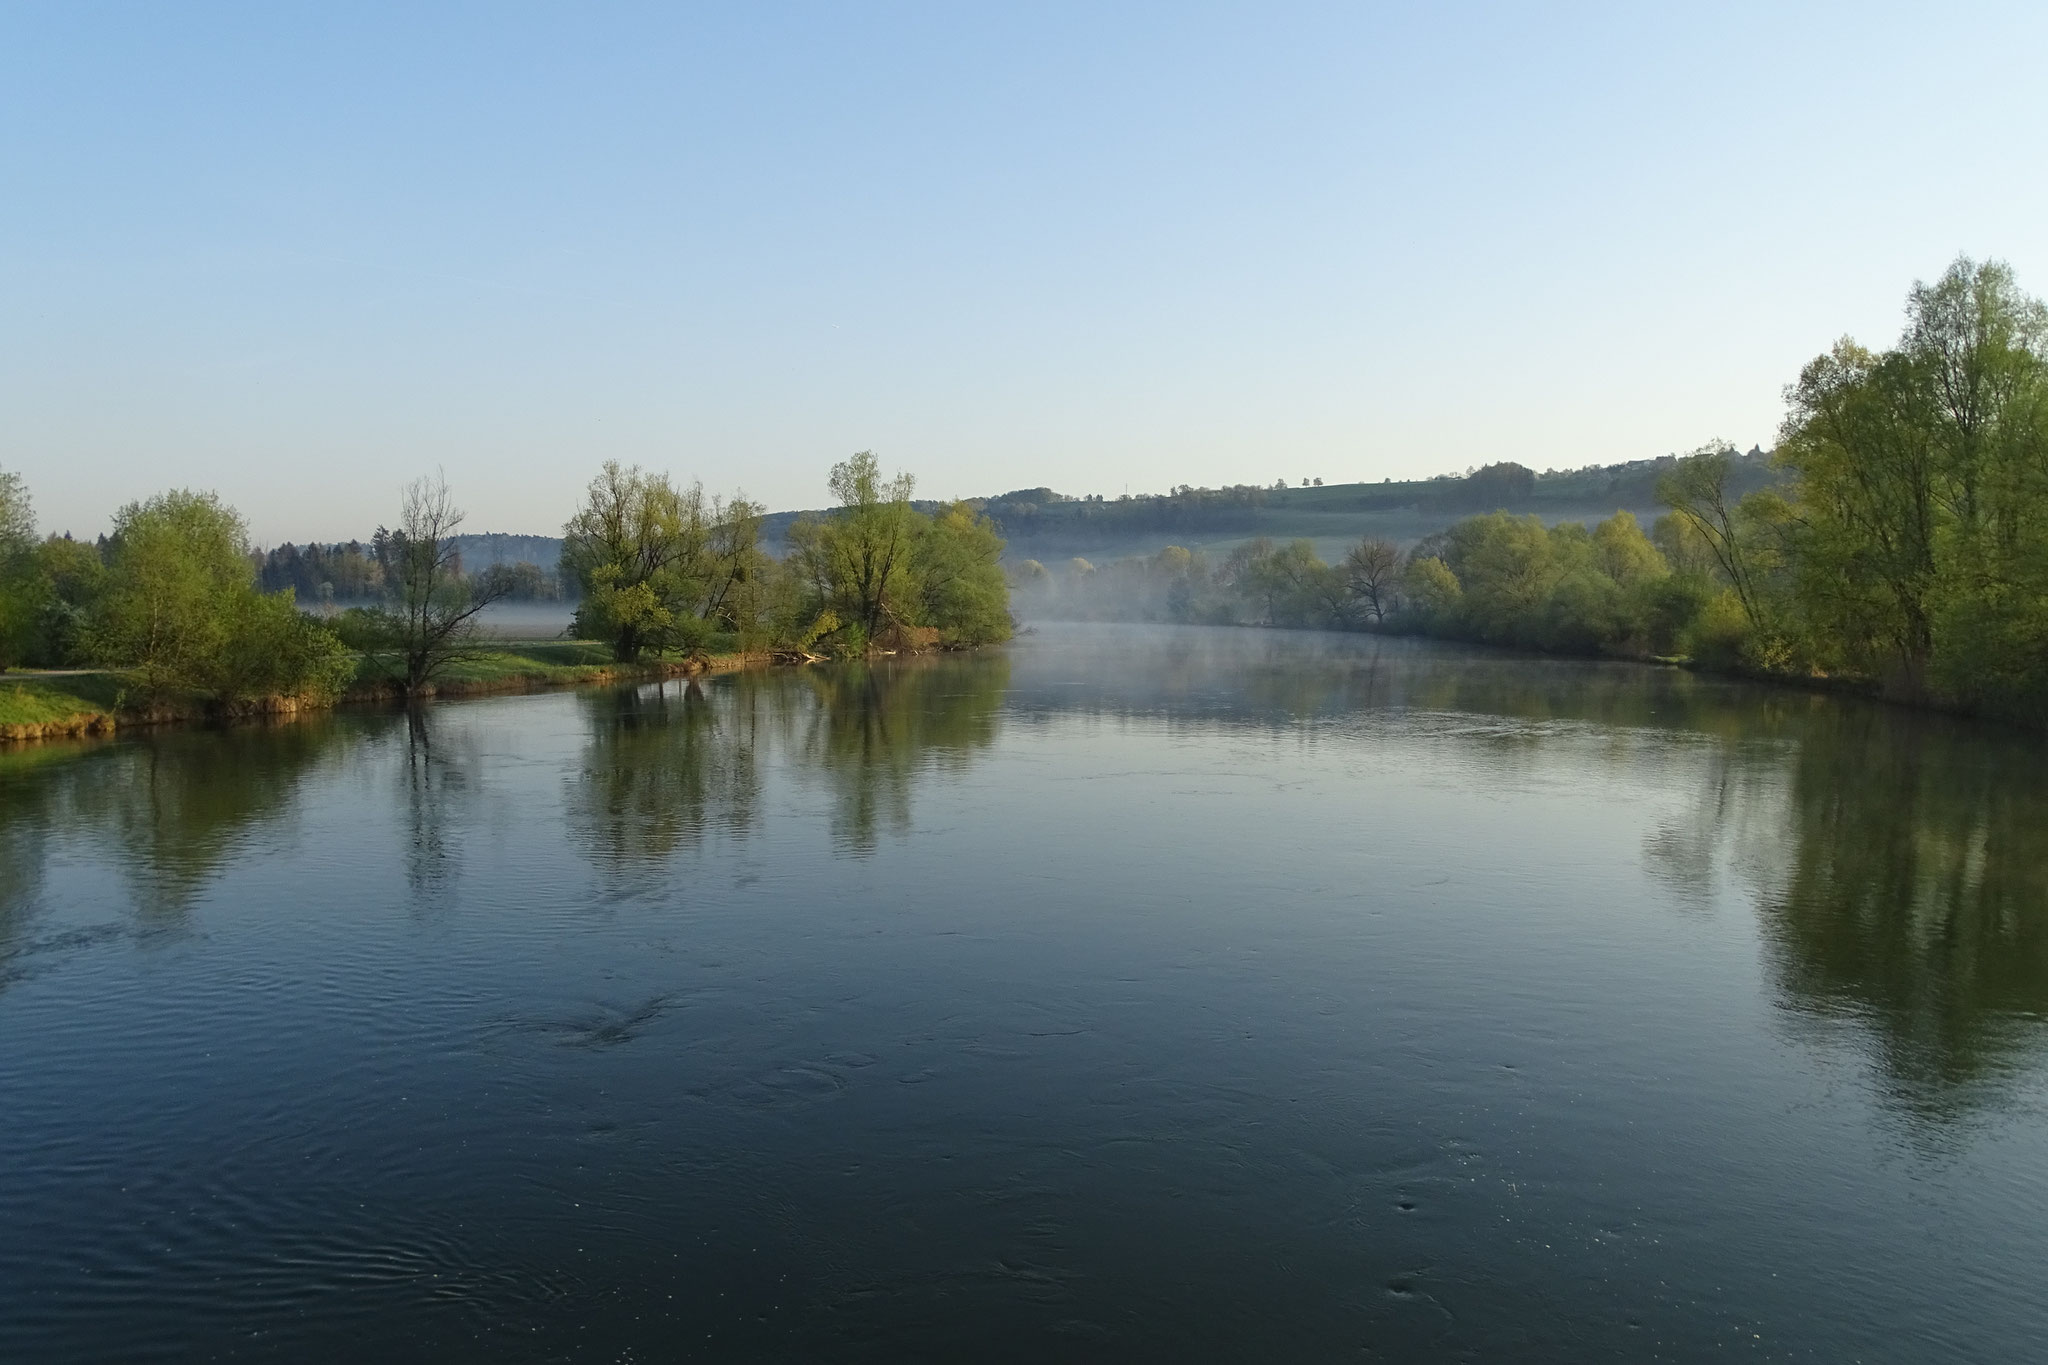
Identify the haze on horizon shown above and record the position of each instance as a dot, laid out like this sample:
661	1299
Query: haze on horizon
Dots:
302	257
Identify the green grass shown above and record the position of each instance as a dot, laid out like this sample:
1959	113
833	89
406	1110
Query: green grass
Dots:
37	699
30	700
552	662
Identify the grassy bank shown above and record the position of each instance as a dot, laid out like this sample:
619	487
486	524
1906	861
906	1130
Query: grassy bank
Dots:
55	706
68	705
512	667
58	705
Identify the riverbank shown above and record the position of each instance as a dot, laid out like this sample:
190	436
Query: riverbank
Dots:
73	705
58	705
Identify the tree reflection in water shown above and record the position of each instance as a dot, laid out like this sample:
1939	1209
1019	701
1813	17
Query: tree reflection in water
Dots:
667	766
440	775
874	729
664	765
1898	864
168	810
1913	897
178	807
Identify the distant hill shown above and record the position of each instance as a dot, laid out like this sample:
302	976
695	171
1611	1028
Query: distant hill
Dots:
1039	522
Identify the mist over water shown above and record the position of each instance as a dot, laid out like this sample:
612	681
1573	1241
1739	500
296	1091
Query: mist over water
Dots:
1131	992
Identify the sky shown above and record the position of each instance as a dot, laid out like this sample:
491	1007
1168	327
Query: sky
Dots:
301	254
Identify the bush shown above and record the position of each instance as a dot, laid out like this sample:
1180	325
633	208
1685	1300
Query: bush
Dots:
181	608
367	630
1667	607
1719	636
273	649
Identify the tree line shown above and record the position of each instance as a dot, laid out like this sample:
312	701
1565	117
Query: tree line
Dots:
354	572
1902	542
175	596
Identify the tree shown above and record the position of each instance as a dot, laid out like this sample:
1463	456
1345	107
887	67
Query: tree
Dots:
181	608
1370	570
17	515
19	598
857	561
1430	583
1624	553
658	566
1507	566
1495	486
1697	492
1922	481
69	578
960	586
877	572
625	549
431	621
179	559
735	565
874	535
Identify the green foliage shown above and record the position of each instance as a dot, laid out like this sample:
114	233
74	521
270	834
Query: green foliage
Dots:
1919	553
1719	636
1625	554
857	560
180	560
20	589
46	589
27	701
961	591
181	609
888	575
1511	580
1433	588
653	563
70	576
271	648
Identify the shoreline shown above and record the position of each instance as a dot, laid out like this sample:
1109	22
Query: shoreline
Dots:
97	722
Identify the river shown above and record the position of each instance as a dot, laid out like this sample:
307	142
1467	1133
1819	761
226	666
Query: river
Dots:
1124	994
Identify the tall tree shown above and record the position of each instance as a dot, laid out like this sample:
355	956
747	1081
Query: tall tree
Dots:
632	550
1731	529
857	560
1920	485
734	563
179	559
659	567
1371	570
431	621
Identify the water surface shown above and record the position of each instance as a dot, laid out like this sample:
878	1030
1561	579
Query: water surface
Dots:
1124	994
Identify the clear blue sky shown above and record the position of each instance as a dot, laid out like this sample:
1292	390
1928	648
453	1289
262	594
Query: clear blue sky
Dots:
302	253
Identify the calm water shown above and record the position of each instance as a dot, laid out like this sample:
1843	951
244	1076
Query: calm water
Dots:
1122	995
